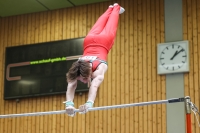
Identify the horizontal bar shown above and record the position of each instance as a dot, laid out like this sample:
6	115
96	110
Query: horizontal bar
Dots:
174	100
136	104
127	105
73	57
33	114
91	109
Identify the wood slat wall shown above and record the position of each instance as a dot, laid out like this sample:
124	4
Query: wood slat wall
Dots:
131	77
191	32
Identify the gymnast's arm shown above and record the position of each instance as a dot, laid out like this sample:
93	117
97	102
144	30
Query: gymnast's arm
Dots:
71	87
98	77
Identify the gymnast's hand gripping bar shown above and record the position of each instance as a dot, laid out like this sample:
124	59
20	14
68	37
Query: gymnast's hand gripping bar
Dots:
174	100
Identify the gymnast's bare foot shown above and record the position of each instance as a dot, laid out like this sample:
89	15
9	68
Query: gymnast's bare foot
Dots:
122	10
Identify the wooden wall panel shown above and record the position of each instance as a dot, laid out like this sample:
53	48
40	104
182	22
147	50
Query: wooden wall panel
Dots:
149	67
162	83
131	77
191	29
131	63
2	26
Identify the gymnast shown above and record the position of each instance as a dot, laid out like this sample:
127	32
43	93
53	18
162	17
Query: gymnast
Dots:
91	67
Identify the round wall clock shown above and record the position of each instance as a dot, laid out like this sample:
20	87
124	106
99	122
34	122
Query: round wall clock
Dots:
173	57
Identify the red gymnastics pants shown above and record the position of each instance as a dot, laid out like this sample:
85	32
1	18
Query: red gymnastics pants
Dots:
100	38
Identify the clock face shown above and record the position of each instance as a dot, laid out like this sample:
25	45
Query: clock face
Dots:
173	57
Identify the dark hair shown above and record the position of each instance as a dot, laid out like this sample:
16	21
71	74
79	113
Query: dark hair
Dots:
78	68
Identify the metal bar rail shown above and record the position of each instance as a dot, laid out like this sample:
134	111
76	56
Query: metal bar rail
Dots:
174	100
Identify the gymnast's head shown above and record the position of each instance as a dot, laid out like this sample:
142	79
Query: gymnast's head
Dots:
80	70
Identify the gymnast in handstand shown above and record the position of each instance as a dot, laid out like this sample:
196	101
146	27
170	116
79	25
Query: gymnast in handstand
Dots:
91	67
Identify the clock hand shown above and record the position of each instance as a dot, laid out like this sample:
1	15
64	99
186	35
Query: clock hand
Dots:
180	51
174	55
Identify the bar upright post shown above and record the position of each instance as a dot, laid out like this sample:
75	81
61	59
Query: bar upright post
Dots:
188	114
